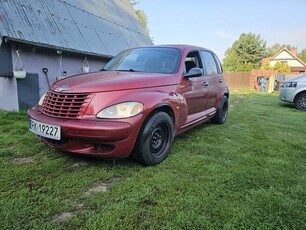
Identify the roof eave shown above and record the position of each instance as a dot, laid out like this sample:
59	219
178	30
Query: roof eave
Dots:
48	46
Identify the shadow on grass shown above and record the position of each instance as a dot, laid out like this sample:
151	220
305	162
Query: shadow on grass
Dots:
96	161
287	105
85	160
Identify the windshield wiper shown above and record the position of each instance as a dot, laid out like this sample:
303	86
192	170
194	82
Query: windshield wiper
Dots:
128	70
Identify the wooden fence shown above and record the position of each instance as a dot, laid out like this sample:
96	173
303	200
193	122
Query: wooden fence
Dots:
248	80
238	80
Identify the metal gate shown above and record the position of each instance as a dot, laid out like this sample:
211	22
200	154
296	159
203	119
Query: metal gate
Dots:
28	91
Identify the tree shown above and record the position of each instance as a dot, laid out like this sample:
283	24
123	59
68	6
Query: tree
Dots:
302	55
143	19
281	68
245	54
277	47
141	16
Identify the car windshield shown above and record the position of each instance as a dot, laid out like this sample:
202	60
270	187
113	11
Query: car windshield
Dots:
150	59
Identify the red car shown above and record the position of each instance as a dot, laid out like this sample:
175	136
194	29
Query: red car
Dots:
135	105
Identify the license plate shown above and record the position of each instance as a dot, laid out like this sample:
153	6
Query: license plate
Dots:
45	130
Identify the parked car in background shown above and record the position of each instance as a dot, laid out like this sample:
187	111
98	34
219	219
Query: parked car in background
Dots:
294	91
135	105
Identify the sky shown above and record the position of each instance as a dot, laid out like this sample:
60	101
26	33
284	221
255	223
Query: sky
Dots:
217	24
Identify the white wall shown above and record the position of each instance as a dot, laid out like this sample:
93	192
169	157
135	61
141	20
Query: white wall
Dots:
34	61
8	94
285	56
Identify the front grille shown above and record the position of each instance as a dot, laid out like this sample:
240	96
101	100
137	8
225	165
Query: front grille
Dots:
65	105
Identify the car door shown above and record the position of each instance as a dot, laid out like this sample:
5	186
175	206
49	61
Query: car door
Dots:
193	90
213	72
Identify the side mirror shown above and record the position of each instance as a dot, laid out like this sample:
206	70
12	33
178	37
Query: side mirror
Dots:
194	72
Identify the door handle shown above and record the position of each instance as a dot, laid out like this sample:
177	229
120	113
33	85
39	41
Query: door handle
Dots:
220	80
205	83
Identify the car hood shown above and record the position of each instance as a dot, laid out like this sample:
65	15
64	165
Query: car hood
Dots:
299	78
104	81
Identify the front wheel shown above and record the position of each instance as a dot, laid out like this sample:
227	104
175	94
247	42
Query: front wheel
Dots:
222	111
154	139
300	102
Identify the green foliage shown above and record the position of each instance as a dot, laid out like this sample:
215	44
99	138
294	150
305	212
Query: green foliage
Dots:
143	19
245	54
267	66
276	48
141	16
281	68
246	174
302	55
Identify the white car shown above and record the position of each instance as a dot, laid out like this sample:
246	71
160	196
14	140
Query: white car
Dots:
294	91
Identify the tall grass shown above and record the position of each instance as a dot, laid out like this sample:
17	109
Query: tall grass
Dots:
246	174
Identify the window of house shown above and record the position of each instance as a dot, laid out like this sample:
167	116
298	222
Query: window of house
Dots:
284	63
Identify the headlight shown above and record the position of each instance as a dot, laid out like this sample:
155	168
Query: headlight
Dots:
289	84
122	110
41	100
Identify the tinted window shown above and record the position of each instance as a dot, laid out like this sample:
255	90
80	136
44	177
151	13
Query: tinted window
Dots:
152	59
209	63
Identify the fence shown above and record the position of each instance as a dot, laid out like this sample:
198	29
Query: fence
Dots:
238	80
248	80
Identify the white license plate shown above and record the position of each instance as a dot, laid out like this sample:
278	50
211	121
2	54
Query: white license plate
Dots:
45	130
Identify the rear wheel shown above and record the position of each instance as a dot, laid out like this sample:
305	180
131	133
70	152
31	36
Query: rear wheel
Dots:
154	139
222	111
300	101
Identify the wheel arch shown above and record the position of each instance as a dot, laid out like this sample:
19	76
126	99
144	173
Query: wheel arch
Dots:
298	94
164	108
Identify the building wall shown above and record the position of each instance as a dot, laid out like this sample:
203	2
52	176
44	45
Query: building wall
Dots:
291	63
8	94
8	85
285	56
34	60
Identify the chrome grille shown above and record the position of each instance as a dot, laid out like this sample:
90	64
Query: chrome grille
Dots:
65	105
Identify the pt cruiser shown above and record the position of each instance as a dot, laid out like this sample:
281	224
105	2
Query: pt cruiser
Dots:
135	105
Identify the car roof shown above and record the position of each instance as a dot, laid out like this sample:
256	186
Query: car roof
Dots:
181	47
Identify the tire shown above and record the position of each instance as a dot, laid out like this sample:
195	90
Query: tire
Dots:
222	111
154	139
300	102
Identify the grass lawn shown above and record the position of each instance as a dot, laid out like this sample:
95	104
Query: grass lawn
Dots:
249	173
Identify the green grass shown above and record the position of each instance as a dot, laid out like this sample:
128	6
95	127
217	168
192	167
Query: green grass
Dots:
249	173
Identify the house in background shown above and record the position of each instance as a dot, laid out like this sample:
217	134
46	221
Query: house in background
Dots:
285	56
43	40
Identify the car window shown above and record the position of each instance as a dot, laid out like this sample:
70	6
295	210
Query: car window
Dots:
220	70
209	63
152	60
192	60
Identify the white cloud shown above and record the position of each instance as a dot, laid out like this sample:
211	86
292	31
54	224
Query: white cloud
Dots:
224	34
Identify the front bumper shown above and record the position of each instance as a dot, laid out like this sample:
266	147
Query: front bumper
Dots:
91	136
287	94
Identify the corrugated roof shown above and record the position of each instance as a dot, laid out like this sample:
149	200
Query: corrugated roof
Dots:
98	27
